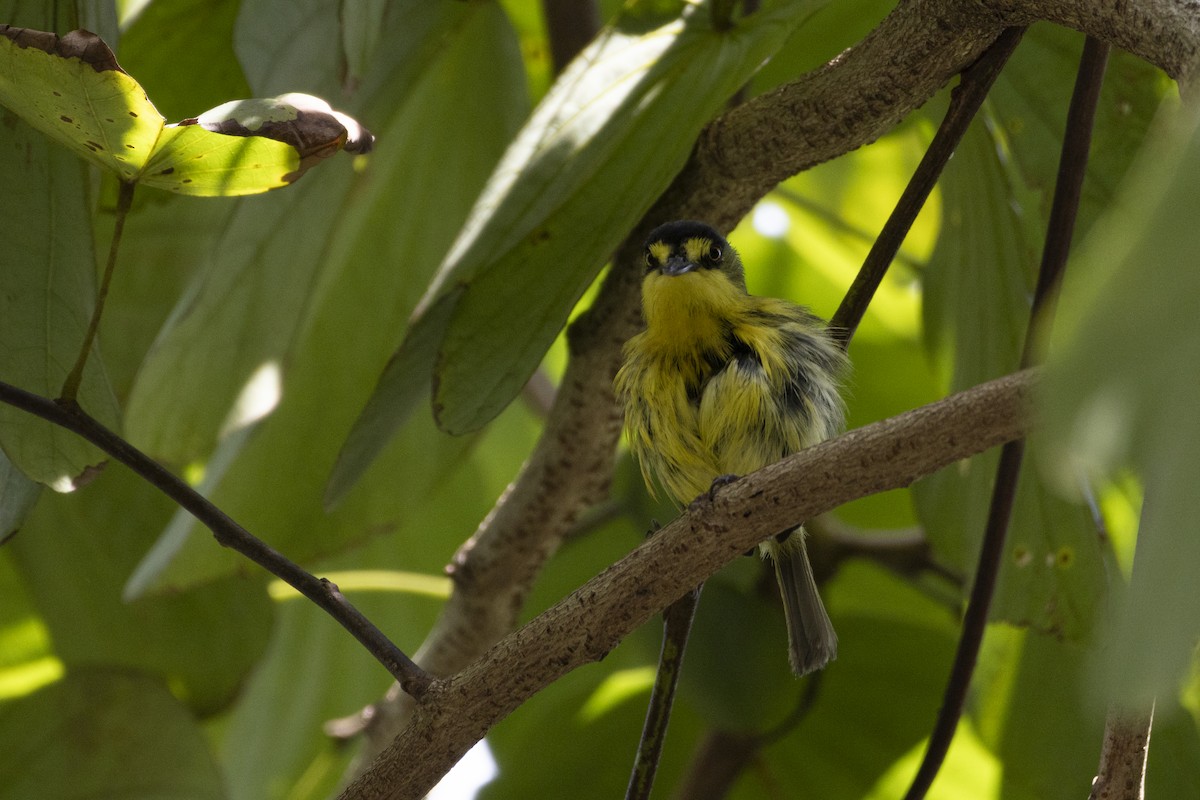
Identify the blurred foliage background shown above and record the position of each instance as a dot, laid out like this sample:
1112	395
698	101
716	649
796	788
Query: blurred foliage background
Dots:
243	336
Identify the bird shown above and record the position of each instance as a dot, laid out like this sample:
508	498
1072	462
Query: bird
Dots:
721	383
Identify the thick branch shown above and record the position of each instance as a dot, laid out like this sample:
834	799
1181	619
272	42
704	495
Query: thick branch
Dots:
584	627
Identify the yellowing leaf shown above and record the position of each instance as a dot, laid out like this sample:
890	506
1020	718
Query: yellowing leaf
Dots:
72	89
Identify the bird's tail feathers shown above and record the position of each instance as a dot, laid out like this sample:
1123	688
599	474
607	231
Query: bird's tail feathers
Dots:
812	642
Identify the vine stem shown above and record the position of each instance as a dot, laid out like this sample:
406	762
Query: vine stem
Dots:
70	387
677	626
67	414
1064	209
965	102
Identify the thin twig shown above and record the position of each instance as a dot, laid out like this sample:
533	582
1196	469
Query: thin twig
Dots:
70	387
677	626
1072	168
965	102
228	533
570	25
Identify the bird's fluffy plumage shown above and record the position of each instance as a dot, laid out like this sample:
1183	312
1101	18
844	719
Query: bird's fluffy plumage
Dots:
722	382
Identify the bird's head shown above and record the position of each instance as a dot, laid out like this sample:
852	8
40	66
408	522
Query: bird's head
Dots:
693	280
687	247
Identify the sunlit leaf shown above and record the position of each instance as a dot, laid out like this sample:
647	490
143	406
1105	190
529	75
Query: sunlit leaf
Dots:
72	89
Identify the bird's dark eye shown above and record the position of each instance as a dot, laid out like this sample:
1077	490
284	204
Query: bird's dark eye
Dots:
649	258
714	253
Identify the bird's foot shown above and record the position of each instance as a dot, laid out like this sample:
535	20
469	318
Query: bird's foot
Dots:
718	482
711	494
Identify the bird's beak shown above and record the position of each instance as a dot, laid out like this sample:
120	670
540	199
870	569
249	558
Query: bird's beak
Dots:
677	265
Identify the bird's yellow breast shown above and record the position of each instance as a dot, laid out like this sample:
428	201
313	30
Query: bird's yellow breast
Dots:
710	387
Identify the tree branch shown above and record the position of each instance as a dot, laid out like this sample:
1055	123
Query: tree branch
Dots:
455	713
677	628
228	533
1122	773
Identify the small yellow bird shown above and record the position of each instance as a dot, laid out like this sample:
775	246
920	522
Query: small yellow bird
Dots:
721	383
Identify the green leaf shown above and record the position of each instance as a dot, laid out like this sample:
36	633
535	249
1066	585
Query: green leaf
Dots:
75	553
72	89
394	398
1017	707
263	278
604	142
1120	391
47	291
333	319
101	733
1032	114
17	496
170	42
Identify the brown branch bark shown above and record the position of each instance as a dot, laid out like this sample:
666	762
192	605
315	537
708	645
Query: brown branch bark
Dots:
455	713
739	158
1122	773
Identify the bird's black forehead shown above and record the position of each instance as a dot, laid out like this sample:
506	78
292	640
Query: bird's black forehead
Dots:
675	233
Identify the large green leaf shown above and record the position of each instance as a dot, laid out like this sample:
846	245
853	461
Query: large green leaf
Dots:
47	290
1032	113
603	143
101	733
72	89
1027	702
170	42
399	219
1120	390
